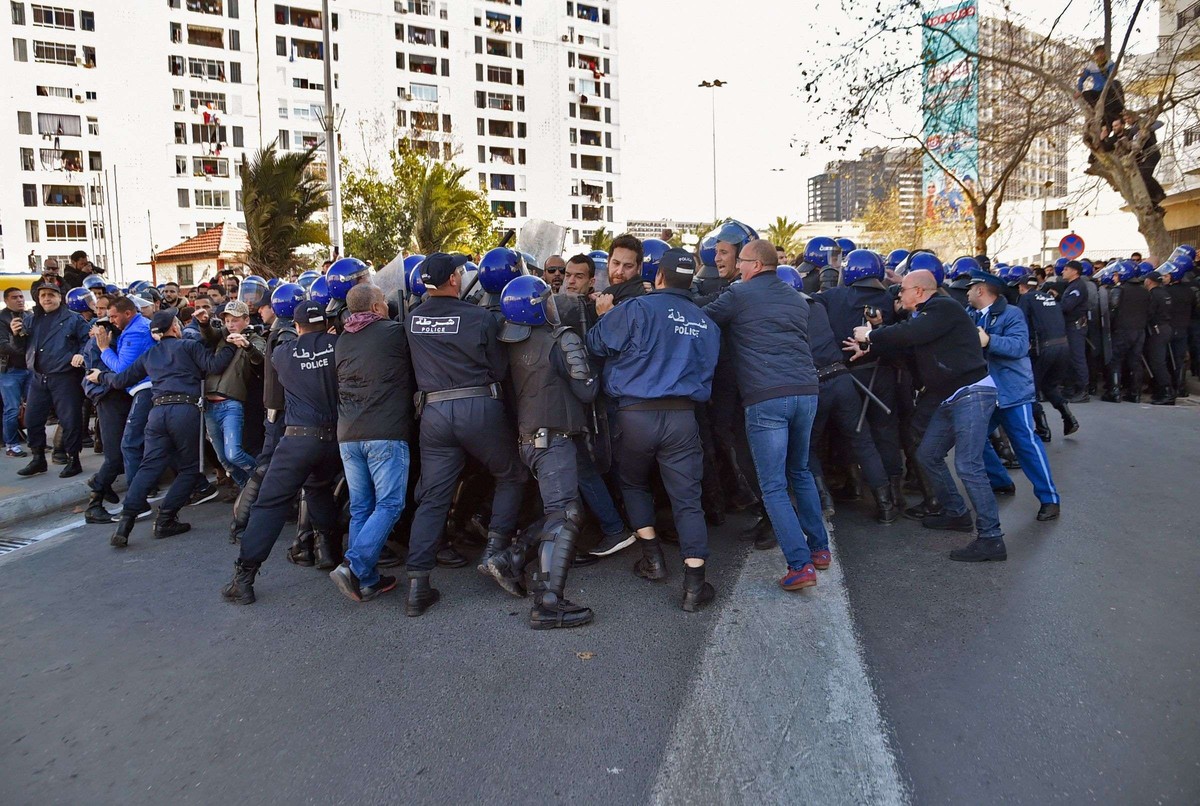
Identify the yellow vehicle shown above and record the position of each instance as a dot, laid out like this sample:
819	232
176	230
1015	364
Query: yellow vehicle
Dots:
23	281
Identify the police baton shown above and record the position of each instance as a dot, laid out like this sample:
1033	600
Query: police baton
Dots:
870	395
862	415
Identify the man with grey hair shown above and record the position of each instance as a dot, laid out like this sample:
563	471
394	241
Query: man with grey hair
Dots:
375	423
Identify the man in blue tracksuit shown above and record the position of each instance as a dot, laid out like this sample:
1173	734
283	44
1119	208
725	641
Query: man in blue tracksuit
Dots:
1004	335
659	352
135	339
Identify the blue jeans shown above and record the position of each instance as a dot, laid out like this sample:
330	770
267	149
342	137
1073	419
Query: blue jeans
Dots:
224	421
963	424
595	494
377	475
1018	424
14	385
133	441
778	431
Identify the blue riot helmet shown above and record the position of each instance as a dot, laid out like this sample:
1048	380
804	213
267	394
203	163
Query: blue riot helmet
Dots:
652	251
499	267
791	276
708	251
527	300
411	262
137	287
963	266
1016	275
81	300
318	292
927	261
1088	269
1188	248
1126	270
94	282
1107	276
1058	266
416	286
1145	267
895	258
344	274
111	289
151	294
1180	257
252	290
306	279
862	264
846	244
285	298
274	283
733	232
823	251
531	263
1164	270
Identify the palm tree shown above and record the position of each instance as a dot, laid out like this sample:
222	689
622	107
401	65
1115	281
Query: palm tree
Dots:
280	195
444	210
783	233
601	239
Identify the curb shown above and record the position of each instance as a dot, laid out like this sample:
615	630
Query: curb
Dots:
35	504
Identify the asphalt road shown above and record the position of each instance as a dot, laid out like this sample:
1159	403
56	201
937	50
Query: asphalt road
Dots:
1067	674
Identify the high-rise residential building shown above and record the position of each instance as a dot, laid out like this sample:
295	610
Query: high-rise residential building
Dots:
128	121
847	187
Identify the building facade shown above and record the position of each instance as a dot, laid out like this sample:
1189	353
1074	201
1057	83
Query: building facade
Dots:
847	187
124	151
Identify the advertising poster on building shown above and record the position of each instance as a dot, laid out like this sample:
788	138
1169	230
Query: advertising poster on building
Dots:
950	109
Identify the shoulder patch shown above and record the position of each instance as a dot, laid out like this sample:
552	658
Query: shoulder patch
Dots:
434	325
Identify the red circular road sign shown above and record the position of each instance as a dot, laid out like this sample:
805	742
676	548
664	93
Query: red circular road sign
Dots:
1071	246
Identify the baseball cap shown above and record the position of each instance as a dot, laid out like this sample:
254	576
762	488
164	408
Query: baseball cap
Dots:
55	287
163	320
677	262
437	268
236	308
992	280
309	312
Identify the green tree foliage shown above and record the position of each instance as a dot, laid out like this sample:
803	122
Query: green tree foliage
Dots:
280	195
601	239
784	233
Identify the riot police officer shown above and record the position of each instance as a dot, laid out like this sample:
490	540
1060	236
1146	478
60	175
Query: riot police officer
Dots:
1048	350
1130	308
177	368
959	275
552	381
340	277
1158	340
1183	302
459	364
1074	304
307	455
821	267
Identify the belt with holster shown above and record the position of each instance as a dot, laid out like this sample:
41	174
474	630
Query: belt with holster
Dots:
831	371
541	438
420	399
663	404
325	433
190	400
1054	342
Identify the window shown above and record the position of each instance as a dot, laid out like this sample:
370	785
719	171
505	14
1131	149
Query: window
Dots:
90	95
499	75
209	133
94	161
201	99
180	133
53	53
504	209
283	140
27	159
422	64
235	72
52	17
20	51
182	196
238	137
93	126
66	231
30	195
210	166
424	92
281	46
205	6
446	124
181	166
283	107
303	140
1055	219
304	49
206	68
421	36
212	199
206	37
235	40
520	129
89	56
233	15
31	231
60	125
503	182
62	196
427	121
184	270
237	195
18	13
87	20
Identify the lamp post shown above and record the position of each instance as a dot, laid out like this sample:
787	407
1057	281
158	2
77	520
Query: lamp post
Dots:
712	87
1045	194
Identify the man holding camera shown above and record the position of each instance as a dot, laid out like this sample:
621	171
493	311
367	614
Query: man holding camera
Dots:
225	392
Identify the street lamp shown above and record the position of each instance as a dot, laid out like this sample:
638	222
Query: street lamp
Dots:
713	85
1045	194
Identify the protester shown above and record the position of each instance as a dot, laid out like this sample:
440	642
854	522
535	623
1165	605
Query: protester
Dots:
14	372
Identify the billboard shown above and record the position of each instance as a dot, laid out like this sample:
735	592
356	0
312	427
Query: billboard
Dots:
950	109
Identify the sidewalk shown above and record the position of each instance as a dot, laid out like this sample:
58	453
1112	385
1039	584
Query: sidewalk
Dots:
44	493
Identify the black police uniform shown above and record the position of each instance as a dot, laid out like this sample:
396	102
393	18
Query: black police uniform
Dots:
307	455
1158	340
957	290
838	401
1050	356
846	306
459	364
1182	304
1074	304
177	369
1130	308
50	341
553	381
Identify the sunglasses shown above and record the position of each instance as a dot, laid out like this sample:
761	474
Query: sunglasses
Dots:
554	270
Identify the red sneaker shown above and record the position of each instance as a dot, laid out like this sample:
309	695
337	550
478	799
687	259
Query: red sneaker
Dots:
795	580
822	559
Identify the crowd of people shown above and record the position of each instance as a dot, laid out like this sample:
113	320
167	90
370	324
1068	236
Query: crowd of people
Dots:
556	414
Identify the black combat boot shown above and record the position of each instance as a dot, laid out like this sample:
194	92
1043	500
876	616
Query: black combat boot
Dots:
1041	427
301	551
1070	424
325	551
696	592
120	538
1112	394
885	507
37	463
653	565
168	524
508	566
760	531
551	609
496	543
420	597
96	513
1004	450
897	485
245	500
1164	397
73	467
827	507
241	589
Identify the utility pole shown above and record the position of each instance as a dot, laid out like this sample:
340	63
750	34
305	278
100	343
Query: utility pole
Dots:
331	157
712	86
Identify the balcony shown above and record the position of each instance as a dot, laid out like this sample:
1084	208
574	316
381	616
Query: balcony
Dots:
589	213
589	138
423	64
501	155
209	166
62	196
301	18
205	37
304	49
496	47
504	209
213	7
589	113
500	128
421	36
503	182
54	159
426	121
590	163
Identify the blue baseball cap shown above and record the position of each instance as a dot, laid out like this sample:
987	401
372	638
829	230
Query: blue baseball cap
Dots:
978	276
437	268
309	312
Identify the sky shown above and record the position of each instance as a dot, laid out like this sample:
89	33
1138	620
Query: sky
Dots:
760	47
